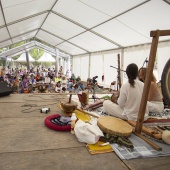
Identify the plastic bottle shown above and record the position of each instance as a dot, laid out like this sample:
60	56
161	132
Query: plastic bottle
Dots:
73	122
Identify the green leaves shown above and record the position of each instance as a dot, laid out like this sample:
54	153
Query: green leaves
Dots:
36	53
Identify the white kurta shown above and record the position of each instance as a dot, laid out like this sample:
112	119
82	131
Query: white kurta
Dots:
128	102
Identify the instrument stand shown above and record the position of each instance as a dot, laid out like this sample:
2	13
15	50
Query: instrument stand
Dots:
93	95
155	38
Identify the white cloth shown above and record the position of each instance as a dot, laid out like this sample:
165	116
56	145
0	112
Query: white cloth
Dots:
128	102
113	109
58	89
64	83
156	107
47	80
87	133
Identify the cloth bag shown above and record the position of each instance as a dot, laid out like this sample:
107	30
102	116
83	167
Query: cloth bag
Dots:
87	132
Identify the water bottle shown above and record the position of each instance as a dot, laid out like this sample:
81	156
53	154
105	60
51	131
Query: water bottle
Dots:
73	122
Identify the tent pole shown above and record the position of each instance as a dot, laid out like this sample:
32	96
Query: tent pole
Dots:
89	65
122	66
56	61
27	59
68	66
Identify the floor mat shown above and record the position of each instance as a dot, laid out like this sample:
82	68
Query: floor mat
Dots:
141	149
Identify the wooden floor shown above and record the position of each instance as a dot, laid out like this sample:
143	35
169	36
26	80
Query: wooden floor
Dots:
26	143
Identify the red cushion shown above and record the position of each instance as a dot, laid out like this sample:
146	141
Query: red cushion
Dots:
53	126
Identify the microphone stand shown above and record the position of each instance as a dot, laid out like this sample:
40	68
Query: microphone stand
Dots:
146	61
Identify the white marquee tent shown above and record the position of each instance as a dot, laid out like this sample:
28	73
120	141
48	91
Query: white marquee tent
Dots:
46	58
22	58
93	32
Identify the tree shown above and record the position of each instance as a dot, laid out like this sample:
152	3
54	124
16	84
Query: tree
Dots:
36	53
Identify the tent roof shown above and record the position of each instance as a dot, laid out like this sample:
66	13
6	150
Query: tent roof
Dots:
22	58
82	26
28	46
46	58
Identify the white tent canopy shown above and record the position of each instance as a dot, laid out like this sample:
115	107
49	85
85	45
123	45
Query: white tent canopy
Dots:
83	26
89	30
10	59
28	46
46	58
22	58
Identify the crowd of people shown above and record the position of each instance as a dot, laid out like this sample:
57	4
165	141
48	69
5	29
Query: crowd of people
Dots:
125	107
40	80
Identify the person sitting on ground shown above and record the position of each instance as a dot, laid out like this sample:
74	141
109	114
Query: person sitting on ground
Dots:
70	85
73	77
58	88
47	80
51	87
15	85
58	78
128	102
38	78
80	84
155	101
24	83
42	88
89	85
78	79
64	83
113	86
32	79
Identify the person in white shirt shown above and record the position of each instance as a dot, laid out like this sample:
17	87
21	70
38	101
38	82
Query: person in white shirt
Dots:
128	102
47	79
58	88
64	83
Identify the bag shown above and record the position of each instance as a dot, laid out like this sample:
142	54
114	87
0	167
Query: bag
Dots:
87	132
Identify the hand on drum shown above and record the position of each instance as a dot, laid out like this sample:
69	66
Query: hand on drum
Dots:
114	97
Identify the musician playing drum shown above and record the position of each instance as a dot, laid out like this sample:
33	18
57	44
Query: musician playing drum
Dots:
128	102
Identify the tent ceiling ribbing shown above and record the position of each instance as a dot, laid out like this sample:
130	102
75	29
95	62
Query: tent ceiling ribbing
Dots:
82	26
28	46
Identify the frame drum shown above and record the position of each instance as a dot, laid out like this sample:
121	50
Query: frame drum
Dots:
114	126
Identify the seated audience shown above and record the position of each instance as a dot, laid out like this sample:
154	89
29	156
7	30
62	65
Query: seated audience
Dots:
64	83
58	88
57	78
73	77
15	84
38	78
78	79
70	85
24	83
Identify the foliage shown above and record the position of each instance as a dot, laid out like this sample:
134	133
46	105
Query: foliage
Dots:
36	53
35	63
2	62
17	44
47	64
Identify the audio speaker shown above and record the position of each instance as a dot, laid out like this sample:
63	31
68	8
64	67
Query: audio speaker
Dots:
5	89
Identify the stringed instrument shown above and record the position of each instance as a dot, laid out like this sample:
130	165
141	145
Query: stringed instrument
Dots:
119	84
